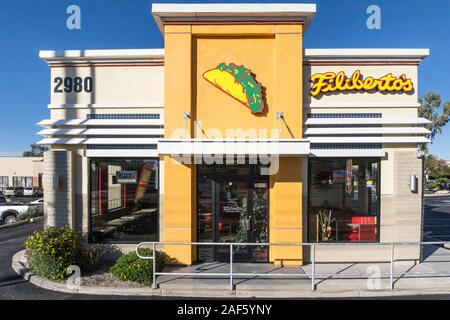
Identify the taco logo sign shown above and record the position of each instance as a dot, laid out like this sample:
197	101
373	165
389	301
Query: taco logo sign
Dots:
239	83
332	82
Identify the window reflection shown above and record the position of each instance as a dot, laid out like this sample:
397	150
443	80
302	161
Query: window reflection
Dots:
124	200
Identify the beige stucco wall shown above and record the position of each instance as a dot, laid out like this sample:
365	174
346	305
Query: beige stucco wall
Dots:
117	90
118	86
21	167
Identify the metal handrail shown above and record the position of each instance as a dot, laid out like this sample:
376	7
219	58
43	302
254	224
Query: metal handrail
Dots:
313	246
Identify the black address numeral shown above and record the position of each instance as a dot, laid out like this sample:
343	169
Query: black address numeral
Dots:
73	84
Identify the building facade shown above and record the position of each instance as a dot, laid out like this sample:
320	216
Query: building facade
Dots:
236	133
21	172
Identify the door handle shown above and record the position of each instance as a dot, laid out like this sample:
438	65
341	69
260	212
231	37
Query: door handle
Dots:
248	224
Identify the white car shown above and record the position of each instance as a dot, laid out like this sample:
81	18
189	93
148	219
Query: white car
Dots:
32	192
13	192
9	211
38	201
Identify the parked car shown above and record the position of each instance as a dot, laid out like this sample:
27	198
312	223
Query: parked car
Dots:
39	201
33	192
14	191
39	204
10	211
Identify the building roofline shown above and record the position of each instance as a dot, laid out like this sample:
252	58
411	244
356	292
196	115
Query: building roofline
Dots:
157	55
52	56
366	53
19	156
170	12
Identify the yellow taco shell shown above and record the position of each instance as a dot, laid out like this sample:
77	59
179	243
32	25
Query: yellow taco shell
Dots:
226	82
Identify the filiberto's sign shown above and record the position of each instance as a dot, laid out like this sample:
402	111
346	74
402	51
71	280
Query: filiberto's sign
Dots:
330	82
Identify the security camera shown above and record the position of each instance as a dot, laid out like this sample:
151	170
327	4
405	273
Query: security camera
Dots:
420	153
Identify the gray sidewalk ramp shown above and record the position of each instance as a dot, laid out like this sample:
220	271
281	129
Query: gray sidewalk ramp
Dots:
433	271
283	277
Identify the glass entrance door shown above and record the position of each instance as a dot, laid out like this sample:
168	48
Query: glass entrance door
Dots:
233	221
232	206
242	216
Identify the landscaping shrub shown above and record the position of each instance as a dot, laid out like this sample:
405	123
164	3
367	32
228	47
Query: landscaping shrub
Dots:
432	185
130	267
89	256
51	251
30	213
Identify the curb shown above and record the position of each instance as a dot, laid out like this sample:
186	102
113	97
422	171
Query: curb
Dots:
19	259
21	223
436	195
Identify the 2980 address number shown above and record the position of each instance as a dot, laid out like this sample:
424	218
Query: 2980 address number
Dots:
73	84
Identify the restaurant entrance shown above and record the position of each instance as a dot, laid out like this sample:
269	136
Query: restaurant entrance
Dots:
232	206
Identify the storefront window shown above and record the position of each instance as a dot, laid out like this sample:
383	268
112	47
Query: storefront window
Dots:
124	200
343	200
23	182
4	183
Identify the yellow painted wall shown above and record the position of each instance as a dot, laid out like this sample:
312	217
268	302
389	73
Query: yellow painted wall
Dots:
274	54
179	196
285	215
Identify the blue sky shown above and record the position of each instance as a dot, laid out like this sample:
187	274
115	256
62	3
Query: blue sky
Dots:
27	26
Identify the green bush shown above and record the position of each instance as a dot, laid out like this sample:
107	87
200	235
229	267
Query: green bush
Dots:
51	251
89	256
432	185
30	213
130	267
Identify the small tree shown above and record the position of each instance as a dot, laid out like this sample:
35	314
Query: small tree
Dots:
439	115
35	151
436	168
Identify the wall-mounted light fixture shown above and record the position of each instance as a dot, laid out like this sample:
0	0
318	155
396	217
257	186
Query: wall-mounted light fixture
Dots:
414	183
280	115
280	119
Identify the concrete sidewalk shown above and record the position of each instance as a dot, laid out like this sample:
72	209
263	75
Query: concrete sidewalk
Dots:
332	280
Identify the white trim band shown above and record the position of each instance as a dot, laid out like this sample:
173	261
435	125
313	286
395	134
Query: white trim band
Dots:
396	120
368	140
100	122
333	153
286	147
106	131
108	141
369	130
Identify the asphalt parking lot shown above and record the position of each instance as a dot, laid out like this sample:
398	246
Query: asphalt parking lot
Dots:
437	218
23	199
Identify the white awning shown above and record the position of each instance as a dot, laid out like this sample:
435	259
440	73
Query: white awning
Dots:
282	147
336	153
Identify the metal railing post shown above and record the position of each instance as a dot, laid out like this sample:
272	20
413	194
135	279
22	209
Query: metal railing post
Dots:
313	268
231	267
392	267
154	266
